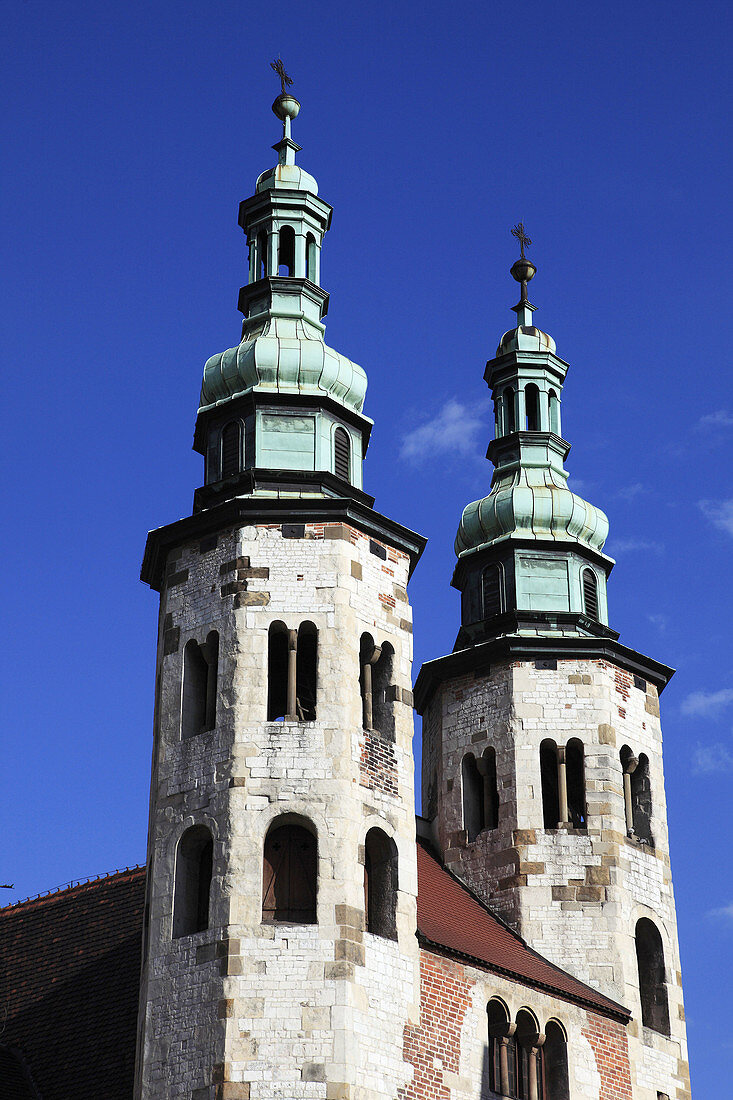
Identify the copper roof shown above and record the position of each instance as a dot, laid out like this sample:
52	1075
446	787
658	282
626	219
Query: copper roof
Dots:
451	918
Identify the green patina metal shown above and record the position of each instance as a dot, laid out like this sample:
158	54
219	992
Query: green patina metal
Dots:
544	538
288	388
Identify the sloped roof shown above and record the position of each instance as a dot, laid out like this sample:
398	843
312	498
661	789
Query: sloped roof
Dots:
69	976
450	917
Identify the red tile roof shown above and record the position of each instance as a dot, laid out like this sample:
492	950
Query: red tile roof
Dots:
451	918
69	976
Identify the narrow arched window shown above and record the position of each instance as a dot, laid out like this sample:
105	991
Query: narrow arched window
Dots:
306	672
510	421
532	407
502	1050
277	672
342	454
554	413
286	251
310	258
575	771
383	692
590	594
194	859
231	448
380	884
550	792
530	1068
473	797
641	800
261	264
555	1063
492	594
652	986
198	704
487	767
290	874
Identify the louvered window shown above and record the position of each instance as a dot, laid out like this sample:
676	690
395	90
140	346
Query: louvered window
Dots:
491	591
230	449
342	454
590	594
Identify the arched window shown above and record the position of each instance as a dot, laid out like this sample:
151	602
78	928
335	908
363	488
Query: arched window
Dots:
198	704
376	664
310	258
554	413
487	767
510	421
380	884
277	672
652	987
261	255
530	1070
286	251
532	407
231	448
575	770
637	795
473	797
590	594
555	1063
192	881
342	454
492	590
550	792
502	1050
290	873
306	672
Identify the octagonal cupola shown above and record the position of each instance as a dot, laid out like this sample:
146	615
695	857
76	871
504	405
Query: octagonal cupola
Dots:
281	412
530	553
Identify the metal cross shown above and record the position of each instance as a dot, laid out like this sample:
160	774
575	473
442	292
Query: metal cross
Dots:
279	68
518	232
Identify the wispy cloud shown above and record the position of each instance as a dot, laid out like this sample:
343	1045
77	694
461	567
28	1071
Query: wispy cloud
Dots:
452	431
626	546
631	492
721	418
660	621
707	704
719	512
725	911
708	759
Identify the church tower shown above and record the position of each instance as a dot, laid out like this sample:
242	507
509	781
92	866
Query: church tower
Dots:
280	956
542	745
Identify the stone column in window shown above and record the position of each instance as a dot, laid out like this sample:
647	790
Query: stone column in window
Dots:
534	1065
562	786
504	1059
292	673
629	768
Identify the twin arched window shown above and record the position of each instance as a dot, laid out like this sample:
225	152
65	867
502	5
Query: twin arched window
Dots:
562	770
194	860
637	795
376	670
524	1062
480	793
292	672
198	704
652	985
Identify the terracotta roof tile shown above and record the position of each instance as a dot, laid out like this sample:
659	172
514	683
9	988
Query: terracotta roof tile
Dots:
450	917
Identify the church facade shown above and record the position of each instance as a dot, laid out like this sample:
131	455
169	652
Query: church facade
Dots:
301	934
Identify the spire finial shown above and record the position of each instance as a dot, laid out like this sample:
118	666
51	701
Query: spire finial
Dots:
523	270
286	108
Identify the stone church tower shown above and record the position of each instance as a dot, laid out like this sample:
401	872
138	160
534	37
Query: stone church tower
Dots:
282	787
542	745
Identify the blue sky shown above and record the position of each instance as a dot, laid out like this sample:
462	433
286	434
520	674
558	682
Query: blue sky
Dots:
131	133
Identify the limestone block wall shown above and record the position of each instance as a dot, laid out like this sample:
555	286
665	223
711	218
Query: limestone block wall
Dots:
253	1009
448	1048
575	895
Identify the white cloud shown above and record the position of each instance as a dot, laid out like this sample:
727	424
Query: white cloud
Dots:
624	546
660	621
452	431
631	492
709	759
724	911
719	512
707	704
721	418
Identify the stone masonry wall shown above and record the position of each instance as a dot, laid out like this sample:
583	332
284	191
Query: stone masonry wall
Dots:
258	1010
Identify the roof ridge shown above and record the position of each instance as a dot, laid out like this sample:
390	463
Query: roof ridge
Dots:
73	884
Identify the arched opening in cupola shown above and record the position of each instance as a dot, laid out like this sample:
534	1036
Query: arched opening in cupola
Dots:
290	872
286	251
532	407
342	454
192	887
590	594
509	417
652	985
261	256
311	267
492	590
554	413
231	448
380	884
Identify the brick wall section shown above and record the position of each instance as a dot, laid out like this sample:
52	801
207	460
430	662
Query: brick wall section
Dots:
611	1050
434	1046
378	764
